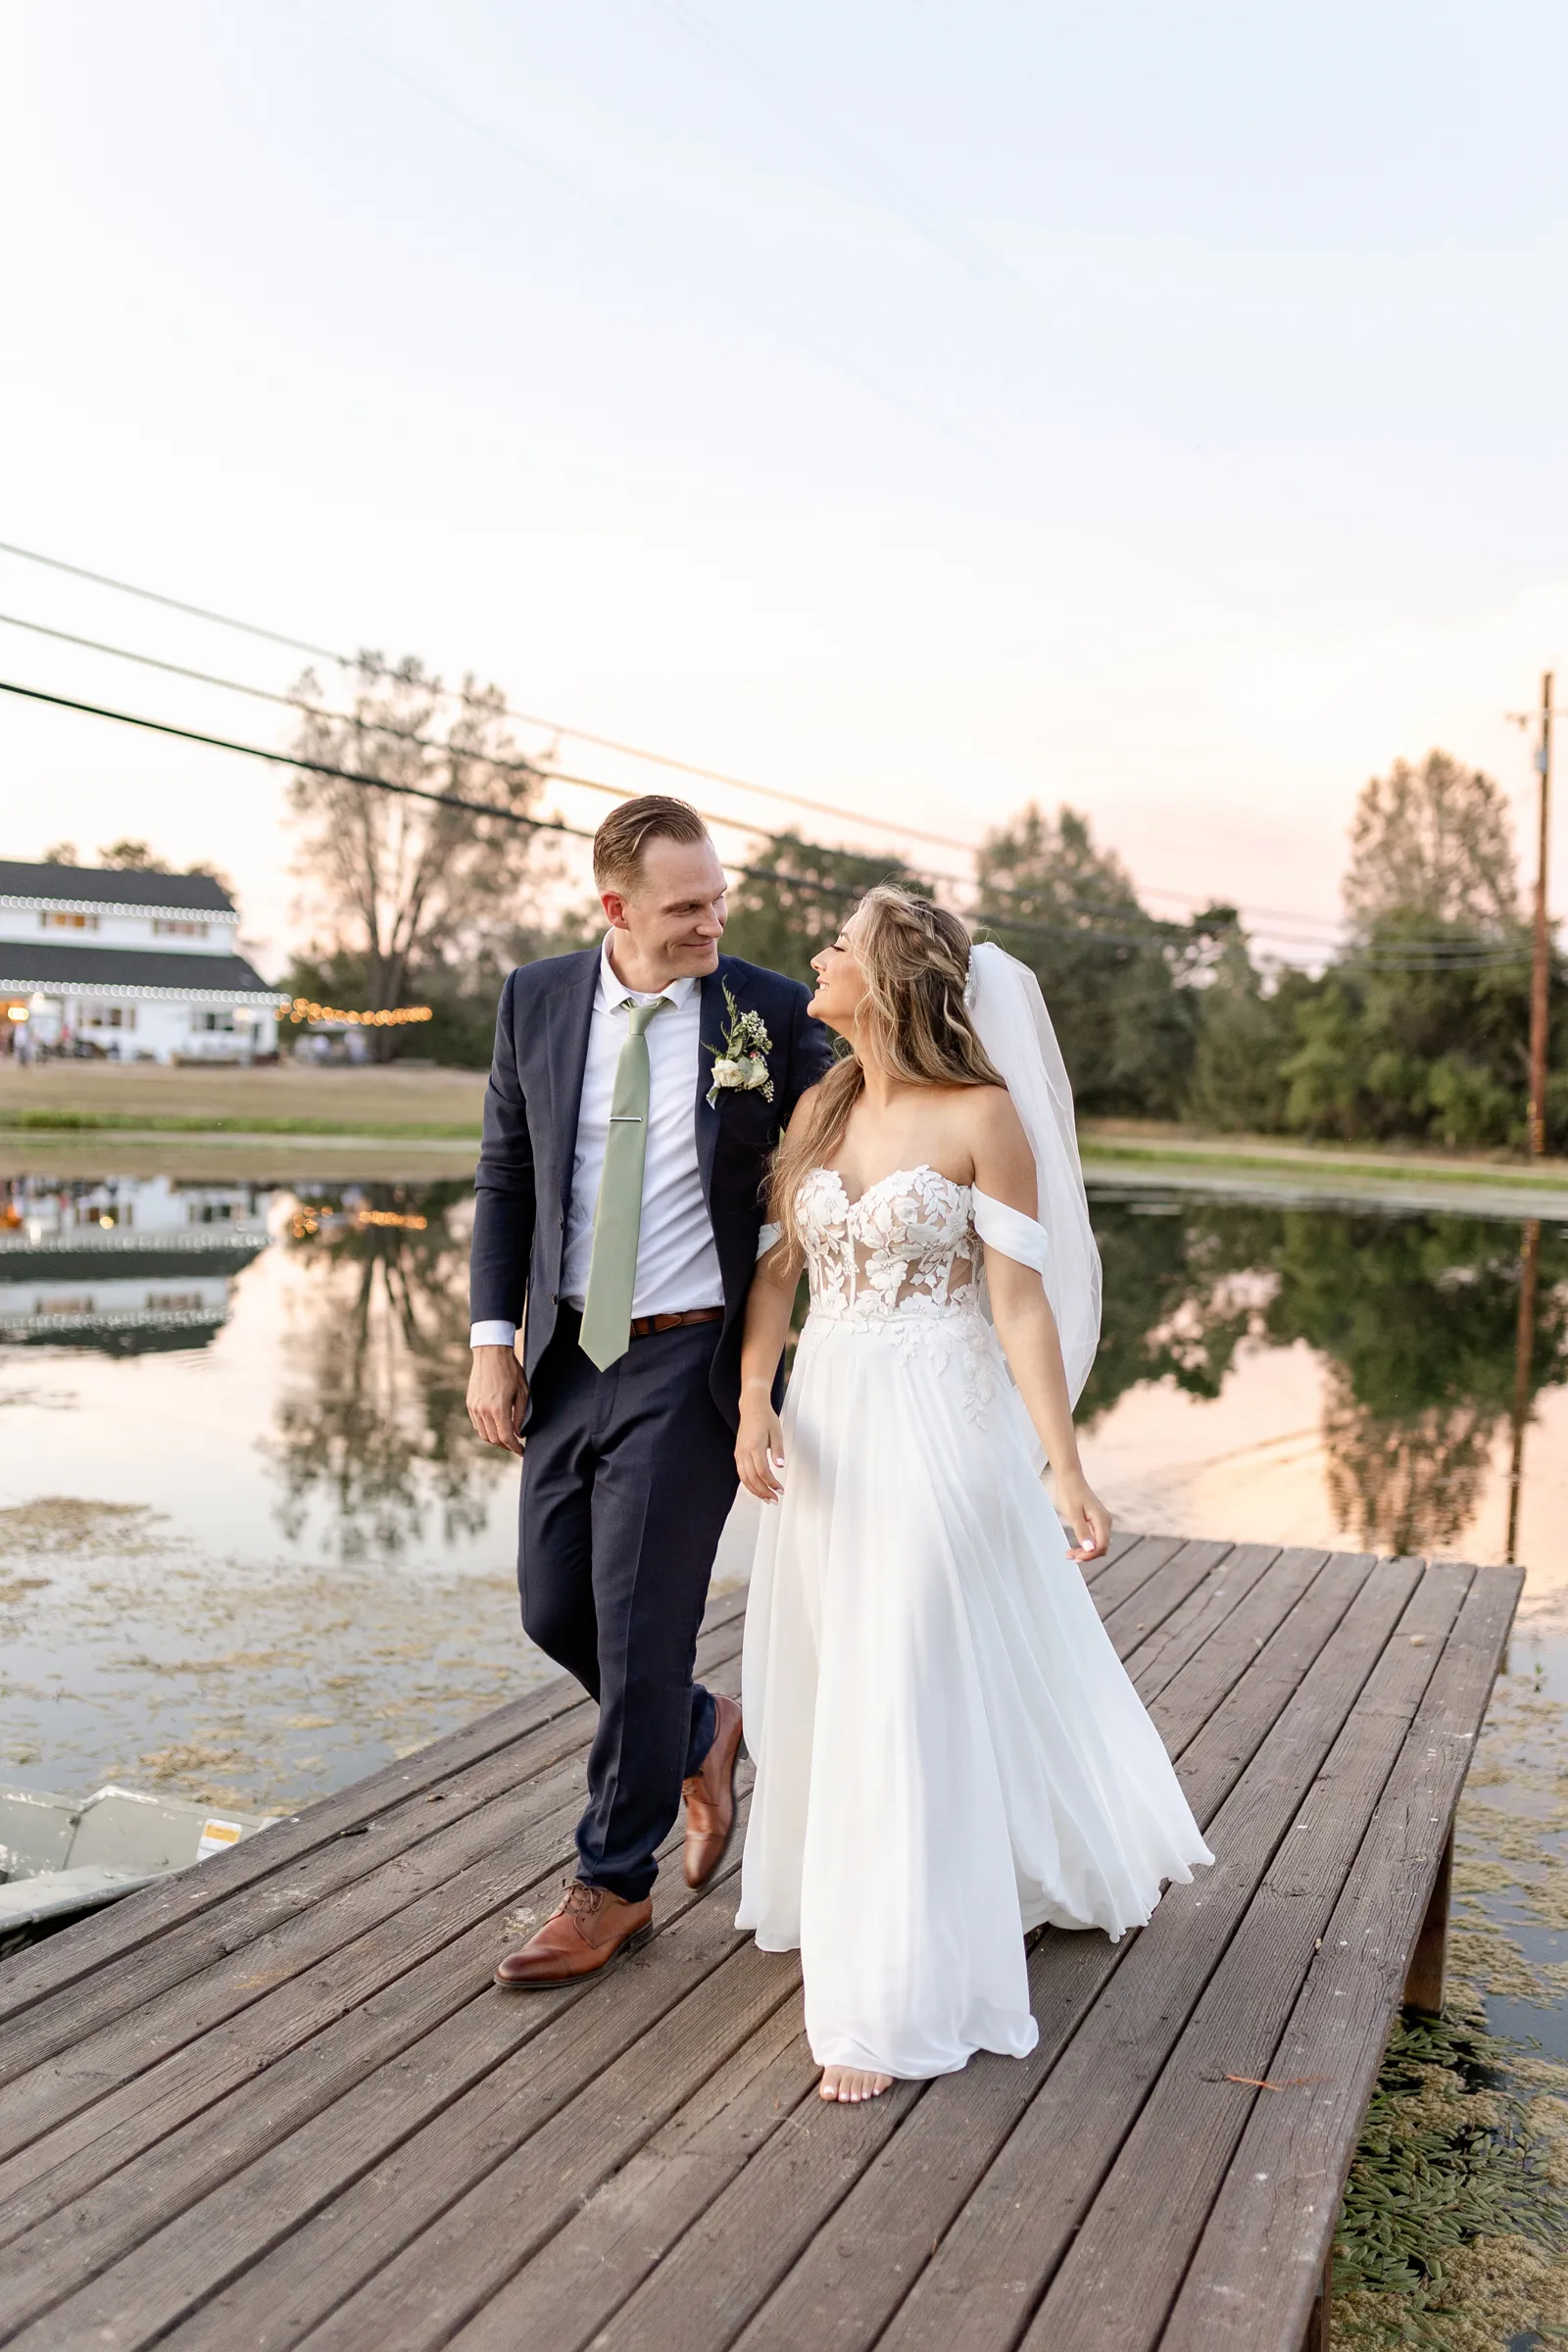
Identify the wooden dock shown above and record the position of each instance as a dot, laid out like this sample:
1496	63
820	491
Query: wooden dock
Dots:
276	2101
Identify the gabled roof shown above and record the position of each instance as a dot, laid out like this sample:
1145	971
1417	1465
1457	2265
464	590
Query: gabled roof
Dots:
114	886
25	964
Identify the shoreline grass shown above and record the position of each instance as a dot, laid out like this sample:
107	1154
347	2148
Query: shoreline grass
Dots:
132	1122
1322	1160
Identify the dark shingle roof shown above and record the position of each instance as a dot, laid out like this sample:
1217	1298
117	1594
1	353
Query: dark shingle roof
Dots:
114	886
24	965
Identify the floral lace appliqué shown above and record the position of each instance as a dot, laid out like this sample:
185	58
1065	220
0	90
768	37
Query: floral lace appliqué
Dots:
903	1259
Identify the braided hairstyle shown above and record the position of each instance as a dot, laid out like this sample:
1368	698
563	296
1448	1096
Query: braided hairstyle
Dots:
916	959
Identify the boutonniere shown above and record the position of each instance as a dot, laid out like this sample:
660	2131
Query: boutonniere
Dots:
740	1064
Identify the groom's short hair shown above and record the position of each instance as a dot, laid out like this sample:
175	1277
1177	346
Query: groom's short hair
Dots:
625	833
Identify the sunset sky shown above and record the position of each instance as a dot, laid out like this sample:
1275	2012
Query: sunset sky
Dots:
922	409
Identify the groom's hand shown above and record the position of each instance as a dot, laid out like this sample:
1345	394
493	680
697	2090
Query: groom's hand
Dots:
497	1394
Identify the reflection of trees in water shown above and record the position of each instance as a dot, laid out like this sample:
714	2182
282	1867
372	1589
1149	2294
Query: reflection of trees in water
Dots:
1418	1318
1404	1482
372	1421
1182	1289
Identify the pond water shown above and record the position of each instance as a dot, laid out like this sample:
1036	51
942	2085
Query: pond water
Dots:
248	1548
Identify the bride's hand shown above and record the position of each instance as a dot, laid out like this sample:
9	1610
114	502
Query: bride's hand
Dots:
1085	1514
760	1448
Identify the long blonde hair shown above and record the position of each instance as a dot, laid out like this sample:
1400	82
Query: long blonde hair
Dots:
916	959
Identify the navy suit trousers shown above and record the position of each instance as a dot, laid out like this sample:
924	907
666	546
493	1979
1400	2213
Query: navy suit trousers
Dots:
627	1479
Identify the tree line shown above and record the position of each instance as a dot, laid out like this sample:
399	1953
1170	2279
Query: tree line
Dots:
1416	1030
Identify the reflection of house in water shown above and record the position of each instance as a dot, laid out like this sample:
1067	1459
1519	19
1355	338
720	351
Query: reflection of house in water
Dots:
126	1264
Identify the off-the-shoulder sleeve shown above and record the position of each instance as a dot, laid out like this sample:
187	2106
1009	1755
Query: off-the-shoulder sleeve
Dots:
766	1239
1011	1231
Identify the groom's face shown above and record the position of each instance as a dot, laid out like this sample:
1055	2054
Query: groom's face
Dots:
670	923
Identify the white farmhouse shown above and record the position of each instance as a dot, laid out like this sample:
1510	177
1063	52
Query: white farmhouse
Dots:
141	965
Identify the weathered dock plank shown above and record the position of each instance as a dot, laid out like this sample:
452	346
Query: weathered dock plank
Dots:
279	2103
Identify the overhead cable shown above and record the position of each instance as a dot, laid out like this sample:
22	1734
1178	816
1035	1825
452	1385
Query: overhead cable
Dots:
1314	929
527	718
411	736
1308	933
842	893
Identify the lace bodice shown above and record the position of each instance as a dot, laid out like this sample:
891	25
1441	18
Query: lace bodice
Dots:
907	1250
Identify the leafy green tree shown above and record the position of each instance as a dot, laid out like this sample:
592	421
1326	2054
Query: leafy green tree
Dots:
1407	1039
1247	1030
1115	978
462	997
783	922
1421	1029
1432	841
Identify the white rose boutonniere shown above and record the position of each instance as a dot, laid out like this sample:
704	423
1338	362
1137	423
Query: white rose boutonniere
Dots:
739	1065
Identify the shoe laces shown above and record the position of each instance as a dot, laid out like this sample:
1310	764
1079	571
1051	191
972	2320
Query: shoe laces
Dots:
581	1900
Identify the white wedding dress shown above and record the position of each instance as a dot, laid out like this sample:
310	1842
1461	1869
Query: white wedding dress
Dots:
947	1749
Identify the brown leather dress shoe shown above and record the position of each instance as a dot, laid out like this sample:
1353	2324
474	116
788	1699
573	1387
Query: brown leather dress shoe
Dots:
710	1799
585	1933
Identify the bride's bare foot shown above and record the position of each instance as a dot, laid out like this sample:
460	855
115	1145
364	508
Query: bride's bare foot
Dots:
852	2083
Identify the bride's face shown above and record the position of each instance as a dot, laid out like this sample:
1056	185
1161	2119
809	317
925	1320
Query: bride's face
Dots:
840	984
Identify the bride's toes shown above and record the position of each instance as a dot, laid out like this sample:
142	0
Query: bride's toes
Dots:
851	2085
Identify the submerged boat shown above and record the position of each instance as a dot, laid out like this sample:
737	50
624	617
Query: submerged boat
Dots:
62	1855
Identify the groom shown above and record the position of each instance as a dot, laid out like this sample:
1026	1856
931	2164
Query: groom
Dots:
637	1091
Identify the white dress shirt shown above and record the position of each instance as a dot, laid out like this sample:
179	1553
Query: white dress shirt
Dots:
677	1263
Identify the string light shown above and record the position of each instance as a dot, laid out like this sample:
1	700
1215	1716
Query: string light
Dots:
306	1223
395	1017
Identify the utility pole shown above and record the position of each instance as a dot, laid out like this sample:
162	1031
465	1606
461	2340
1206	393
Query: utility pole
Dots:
1541	968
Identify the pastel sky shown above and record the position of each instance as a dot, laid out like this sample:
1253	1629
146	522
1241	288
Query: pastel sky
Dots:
925	409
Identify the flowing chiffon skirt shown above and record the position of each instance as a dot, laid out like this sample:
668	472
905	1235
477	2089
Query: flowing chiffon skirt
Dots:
949	1750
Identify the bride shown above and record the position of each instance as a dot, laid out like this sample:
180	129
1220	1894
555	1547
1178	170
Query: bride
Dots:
947	1749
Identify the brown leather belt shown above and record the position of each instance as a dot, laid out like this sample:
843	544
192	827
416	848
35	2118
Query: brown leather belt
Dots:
642	1325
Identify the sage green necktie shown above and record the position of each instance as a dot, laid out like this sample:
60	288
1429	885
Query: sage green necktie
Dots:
606	1332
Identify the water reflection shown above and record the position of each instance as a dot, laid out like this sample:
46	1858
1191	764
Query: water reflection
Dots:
369	1418
1435	1333
1434	1337
124	1266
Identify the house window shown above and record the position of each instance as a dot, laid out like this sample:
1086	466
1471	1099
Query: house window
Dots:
206	1023
166	927
109	1016
60	919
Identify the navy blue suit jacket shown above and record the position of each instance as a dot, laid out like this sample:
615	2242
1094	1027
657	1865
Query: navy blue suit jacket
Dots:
523	1180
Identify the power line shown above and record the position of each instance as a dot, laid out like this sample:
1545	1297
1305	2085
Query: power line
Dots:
840	893
1316	931
527	718
837	893
373	727
1309	931
410	736
1421	953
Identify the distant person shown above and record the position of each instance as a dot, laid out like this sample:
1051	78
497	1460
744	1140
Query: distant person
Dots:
947	1749
638	1091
